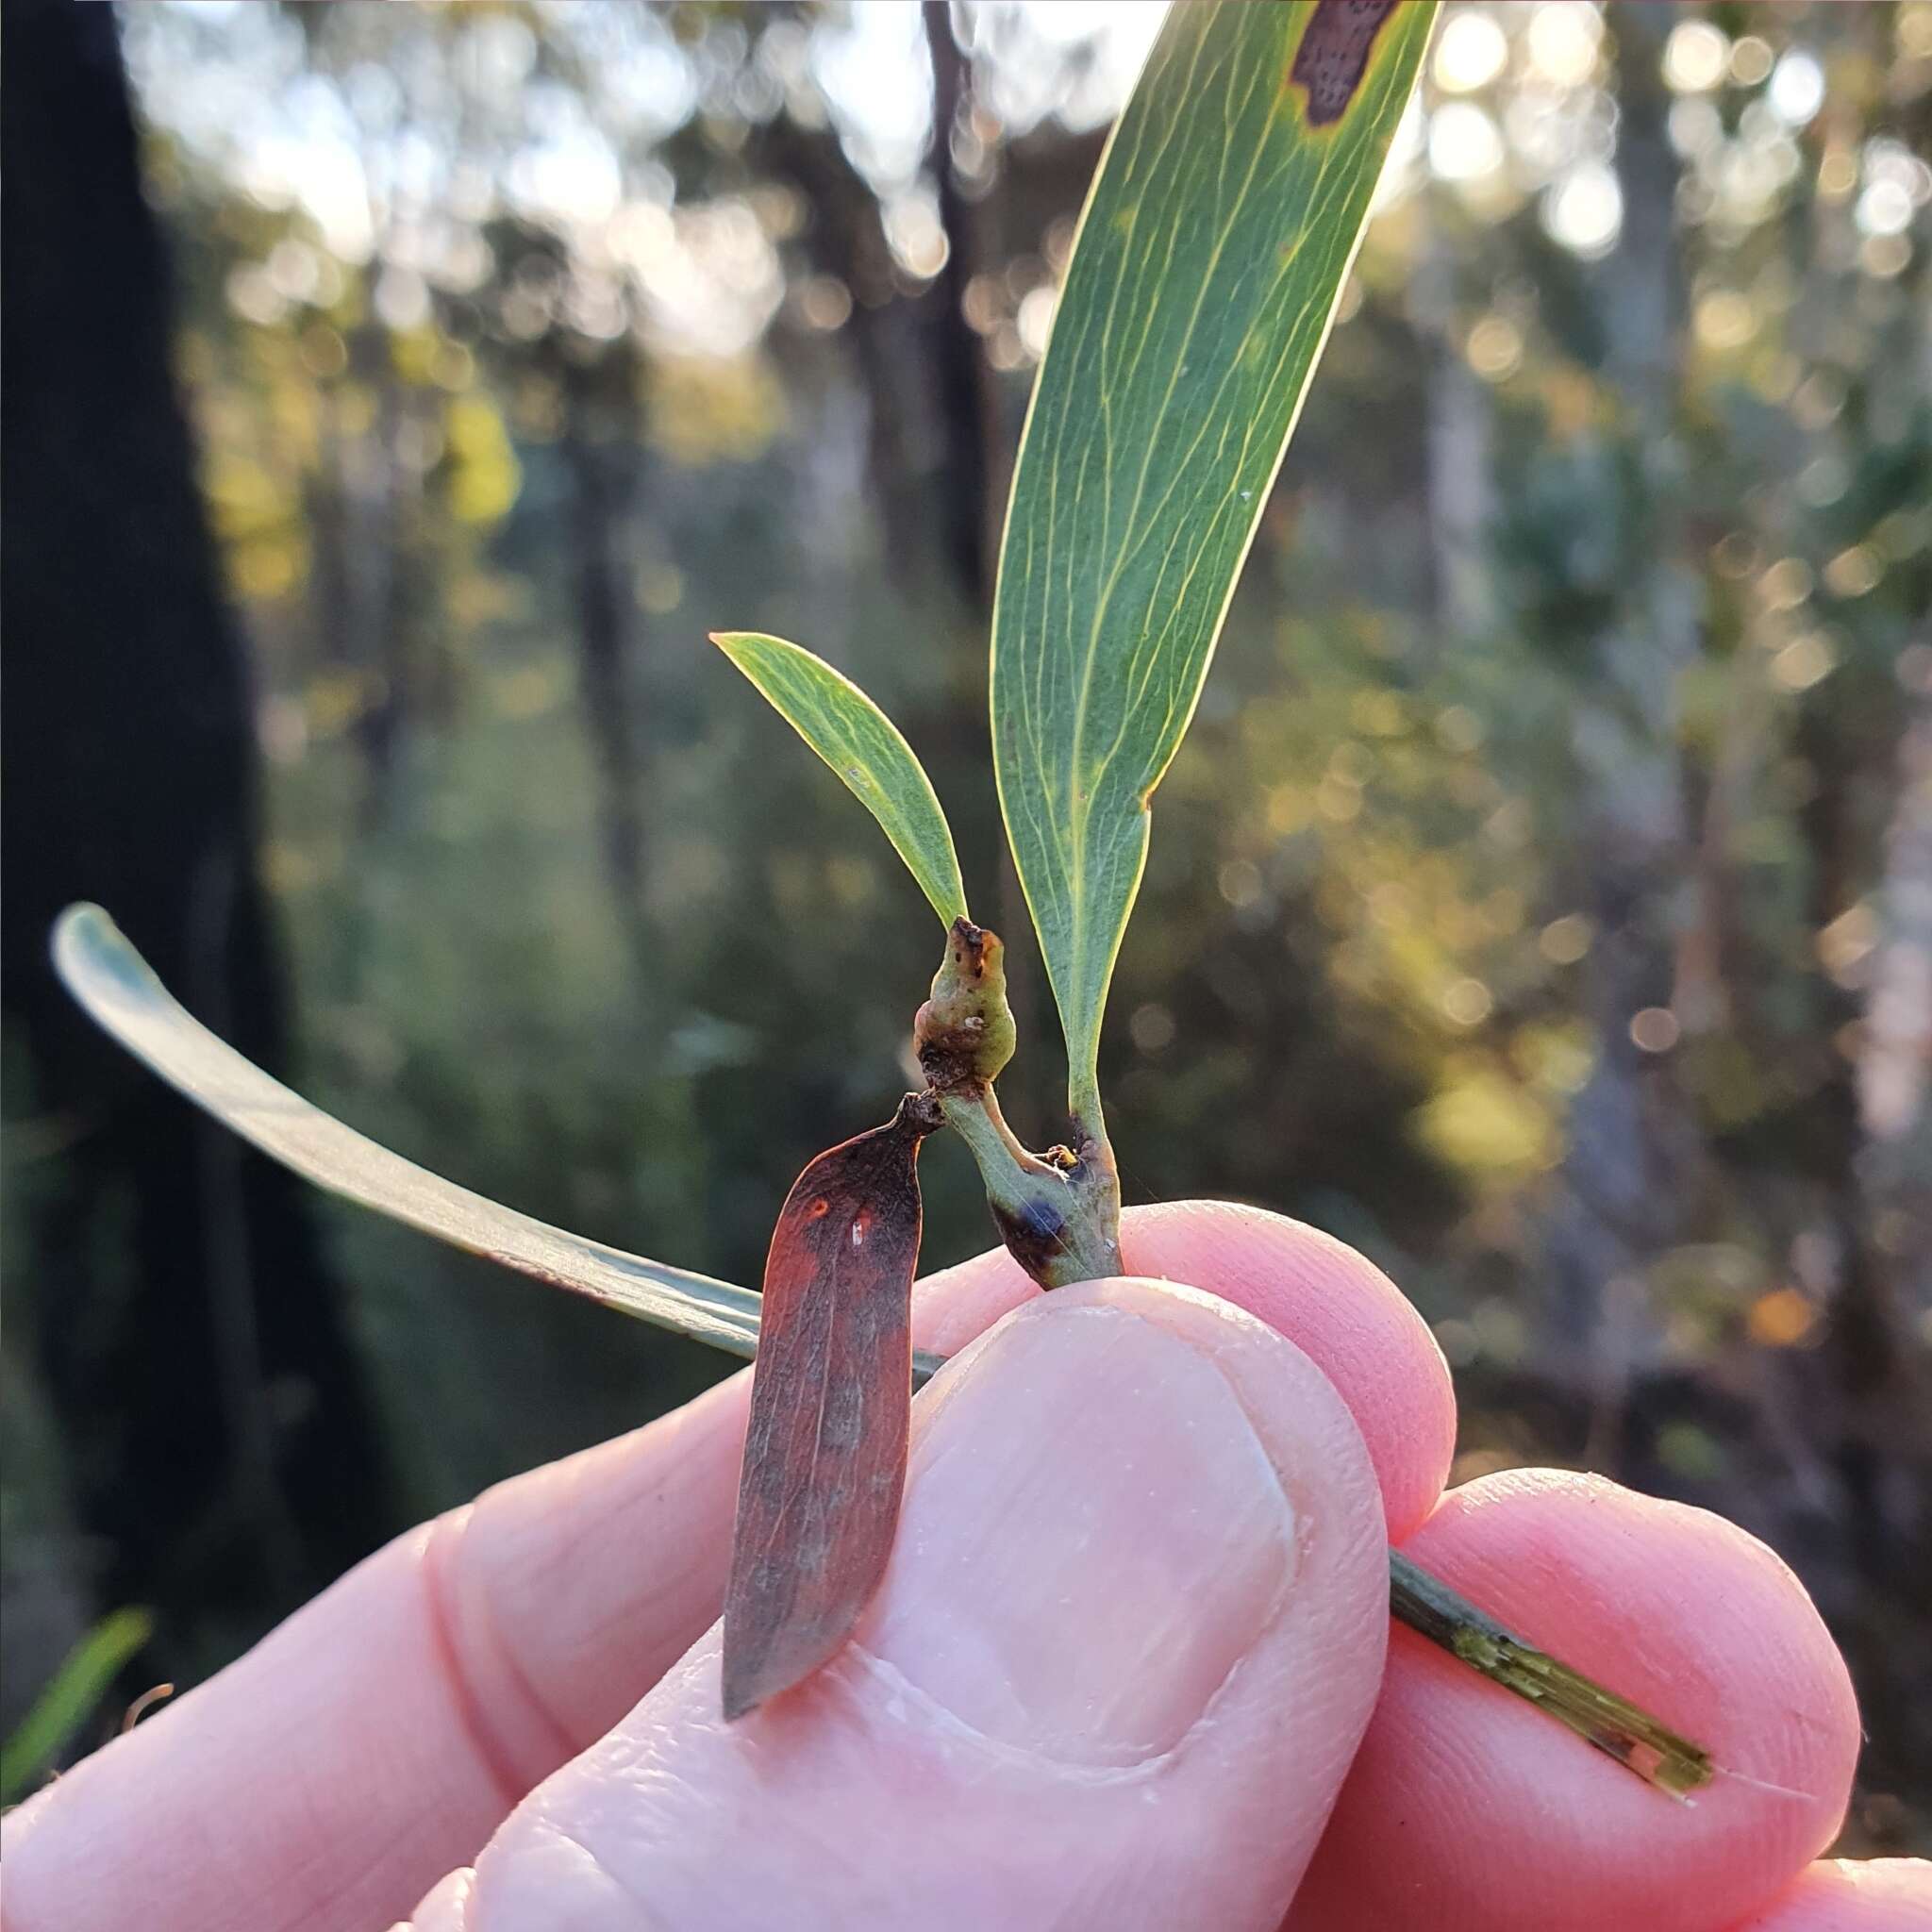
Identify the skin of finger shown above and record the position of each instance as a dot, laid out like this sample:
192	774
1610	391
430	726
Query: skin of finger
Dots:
443	1679
1466	1808
1849	1896
231	1813
858	1801
446	1906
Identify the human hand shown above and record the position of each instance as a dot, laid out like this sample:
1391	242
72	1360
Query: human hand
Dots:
1133	1630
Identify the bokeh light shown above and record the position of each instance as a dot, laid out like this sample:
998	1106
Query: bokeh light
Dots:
1585	209
1471	51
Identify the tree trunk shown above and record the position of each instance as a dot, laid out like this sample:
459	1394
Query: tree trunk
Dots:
1881	1448
600	447
1634	1153
193	1352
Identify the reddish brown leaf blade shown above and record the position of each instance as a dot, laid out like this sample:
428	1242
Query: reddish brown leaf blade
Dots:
831	1397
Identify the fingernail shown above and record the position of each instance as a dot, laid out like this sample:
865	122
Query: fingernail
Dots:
1093	1537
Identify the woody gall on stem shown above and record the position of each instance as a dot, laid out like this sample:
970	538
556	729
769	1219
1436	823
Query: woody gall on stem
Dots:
1058	1212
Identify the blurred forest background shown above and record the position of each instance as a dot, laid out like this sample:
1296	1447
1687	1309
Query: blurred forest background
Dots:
1543	901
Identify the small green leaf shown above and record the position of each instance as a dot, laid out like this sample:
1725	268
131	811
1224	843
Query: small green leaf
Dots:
865	748
75	1693
1213	248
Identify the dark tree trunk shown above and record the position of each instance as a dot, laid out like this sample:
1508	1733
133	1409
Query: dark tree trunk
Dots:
1869	1419
192	1349
601	448
963	388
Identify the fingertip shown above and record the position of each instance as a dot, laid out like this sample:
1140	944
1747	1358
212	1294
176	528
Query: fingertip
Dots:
1334	1304
954	1305
1106	1498
1683	1611
1851	1895
1338	1307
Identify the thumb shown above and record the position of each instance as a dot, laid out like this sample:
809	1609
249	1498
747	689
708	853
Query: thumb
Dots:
1130	1638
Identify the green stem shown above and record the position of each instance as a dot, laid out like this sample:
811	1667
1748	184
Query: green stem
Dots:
1621	1729
1058	1217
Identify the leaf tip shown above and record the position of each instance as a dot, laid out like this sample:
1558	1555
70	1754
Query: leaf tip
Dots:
90	954
766	1664
740	1694
74	923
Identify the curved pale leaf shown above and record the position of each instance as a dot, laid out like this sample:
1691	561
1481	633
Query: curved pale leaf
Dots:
1210	259
116	986
867	751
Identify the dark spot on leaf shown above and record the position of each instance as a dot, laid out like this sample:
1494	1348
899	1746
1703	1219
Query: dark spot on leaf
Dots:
1334	54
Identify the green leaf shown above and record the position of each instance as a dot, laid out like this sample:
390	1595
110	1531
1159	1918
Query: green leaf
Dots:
865	748
121	995
1213	248
67	1703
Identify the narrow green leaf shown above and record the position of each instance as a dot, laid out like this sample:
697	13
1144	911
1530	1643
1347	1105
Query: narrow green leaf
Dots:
122	995
1213	247
78	1686
865	748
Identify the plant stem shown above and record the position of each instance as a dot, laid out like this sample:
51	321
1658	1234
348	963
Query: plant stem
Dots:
1058	1212
1616	1726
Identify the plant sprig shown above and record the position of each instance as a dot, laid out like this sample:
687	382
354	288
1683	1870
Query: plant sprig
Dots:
1207	269
118	990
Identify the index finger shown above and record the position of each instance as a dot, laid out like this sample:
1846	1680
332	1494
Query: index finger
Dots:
375	1741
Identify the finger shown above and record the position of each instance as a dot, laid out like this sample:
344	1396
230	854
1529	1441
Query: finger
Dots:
443	1679
446	1906
1467	1808
1132	1626
1850	1895
379	1737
